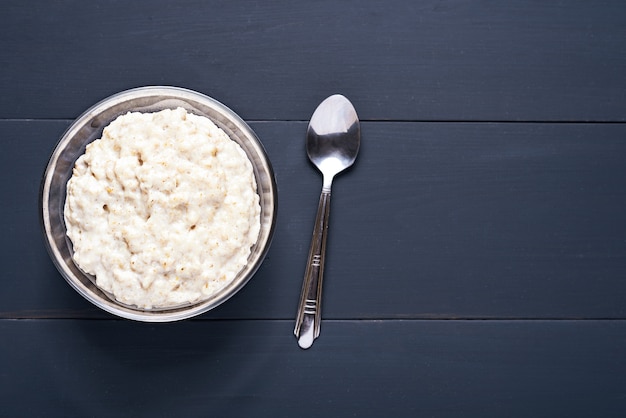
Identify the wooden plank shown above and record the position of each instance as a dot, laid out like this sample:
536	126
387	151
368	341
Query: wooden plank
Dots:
435	220
360	368
456	60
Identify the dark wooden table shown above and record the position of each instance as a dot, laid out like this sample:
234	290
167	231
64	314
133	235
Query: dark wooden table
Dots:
477	251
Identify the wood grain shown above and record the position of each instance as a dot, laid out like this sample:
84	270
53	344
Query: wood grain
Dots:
429	60
435	220
357	368
477	249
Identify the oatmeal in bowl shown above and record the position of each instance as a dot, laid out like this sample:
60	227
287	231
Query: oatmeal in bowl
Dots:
158	204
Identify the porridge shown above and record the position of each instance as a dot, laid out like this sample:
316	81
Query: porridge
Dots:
163	209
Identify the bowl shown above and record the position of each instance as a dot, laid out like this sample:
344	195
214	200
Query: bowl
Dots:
87	128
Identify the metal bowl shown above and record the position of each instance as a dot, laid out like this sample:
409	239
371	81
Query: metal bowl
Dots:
87	128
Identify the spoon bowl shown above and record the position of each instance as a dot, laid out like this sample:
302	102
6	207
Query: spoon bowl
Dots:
332	142
333	136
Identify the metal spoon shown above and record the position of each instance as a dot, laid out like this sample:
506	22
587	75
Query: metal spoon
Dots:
332	144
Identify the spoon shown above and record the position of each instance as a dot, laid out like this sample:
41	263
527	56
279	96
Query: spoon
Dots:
332	144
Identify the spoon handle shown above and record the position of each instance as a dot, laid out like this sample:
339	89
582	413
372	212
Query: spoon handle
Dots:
309	310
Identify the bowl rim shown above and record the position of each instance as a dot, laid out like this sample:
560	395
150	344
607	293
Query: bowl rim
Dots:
111	305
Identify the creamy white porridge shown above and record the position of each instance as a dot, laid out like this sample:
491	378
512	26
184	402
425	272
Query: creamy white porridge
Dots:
163	209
